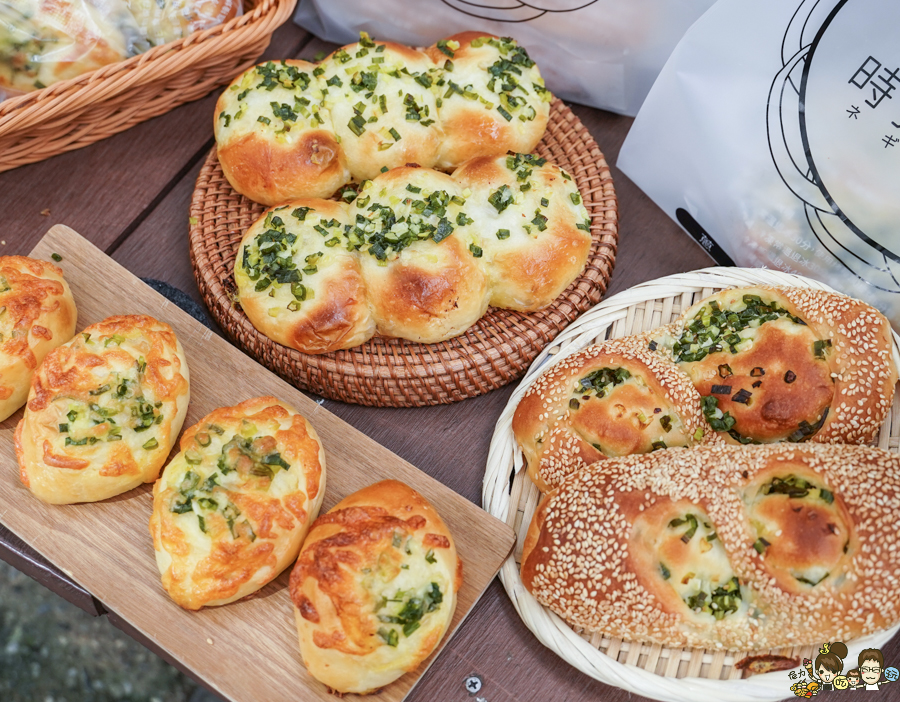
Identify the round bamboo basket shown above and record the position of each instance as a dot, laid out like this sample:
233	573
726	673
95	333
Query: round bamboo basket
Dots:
387	372
77	112
671	674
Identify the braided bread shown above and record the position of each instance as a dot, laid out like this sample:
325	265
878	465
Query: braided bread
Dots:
741	548
292	129
417	255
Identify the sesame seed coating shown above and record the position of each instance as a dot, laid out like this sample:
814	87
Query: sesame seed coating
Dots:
595	548
561	429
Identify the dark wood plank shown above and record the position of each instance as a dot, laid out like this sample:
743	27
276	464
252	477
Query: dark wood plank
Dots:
105	190
22	557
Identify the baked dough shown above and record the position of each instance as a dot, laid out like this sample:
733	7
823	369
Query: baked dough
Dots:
374	588
419	260
103	411
612	399
274	135
382	106
417	255
788	364
37	314
292	129
492	97
740	548
231	509
298	283
531	225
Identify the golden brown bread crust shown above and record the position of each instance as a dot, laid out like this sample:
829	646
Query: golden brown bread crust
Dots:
416	255
828	378
290	129
103	411
37	314
374	588
532	265
475	127
559	423
228	516
334	313
289	154
803	533
271	173
388	101
430	291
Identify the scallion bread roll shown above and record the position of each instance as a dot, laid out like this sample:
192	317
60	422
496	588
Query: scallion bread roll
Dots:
417	255
291	129
37	314
231	509
374	588
103	411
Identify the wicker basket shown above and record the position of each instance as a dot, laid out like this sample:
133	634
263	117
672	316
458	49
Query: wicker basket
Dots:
676	675
77	112
395	372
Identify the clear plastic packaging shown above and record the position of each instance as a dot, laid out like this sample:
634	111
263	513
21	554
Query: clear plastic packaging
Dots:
46	41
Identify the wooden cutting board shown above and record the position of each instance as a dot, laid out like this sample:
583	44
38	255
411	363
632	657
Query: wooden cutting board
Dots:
246	651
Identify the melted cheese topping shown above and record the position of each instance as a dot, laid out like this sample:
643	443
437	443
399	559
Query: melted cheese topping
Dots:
104	410
231	509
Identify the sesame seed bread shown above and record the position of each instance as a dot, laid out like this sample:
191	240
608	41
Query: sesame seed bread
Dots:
417	255
612	399
289	129
788	364
37	314
103	411
740	548
374	588
231	509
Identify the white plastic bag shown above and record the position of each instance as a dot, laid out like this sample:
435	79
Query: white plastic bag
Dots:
604	53
773	136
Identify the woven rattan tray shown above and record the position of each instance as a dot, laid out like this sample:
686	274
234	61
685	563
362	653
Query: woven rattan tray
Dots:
394	372
77	112
682	675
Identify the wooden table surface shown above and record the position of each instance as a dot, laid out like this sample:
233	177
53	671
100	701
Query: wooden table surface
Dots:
129	195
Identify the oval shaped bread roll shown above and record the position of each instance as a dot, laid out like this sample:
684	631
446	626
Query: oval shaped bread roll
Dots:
382	107
788	364
374	588
103	412
37	314
231	509
492	97
726	547
274	135
297	282
613	399
531	225
418	257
